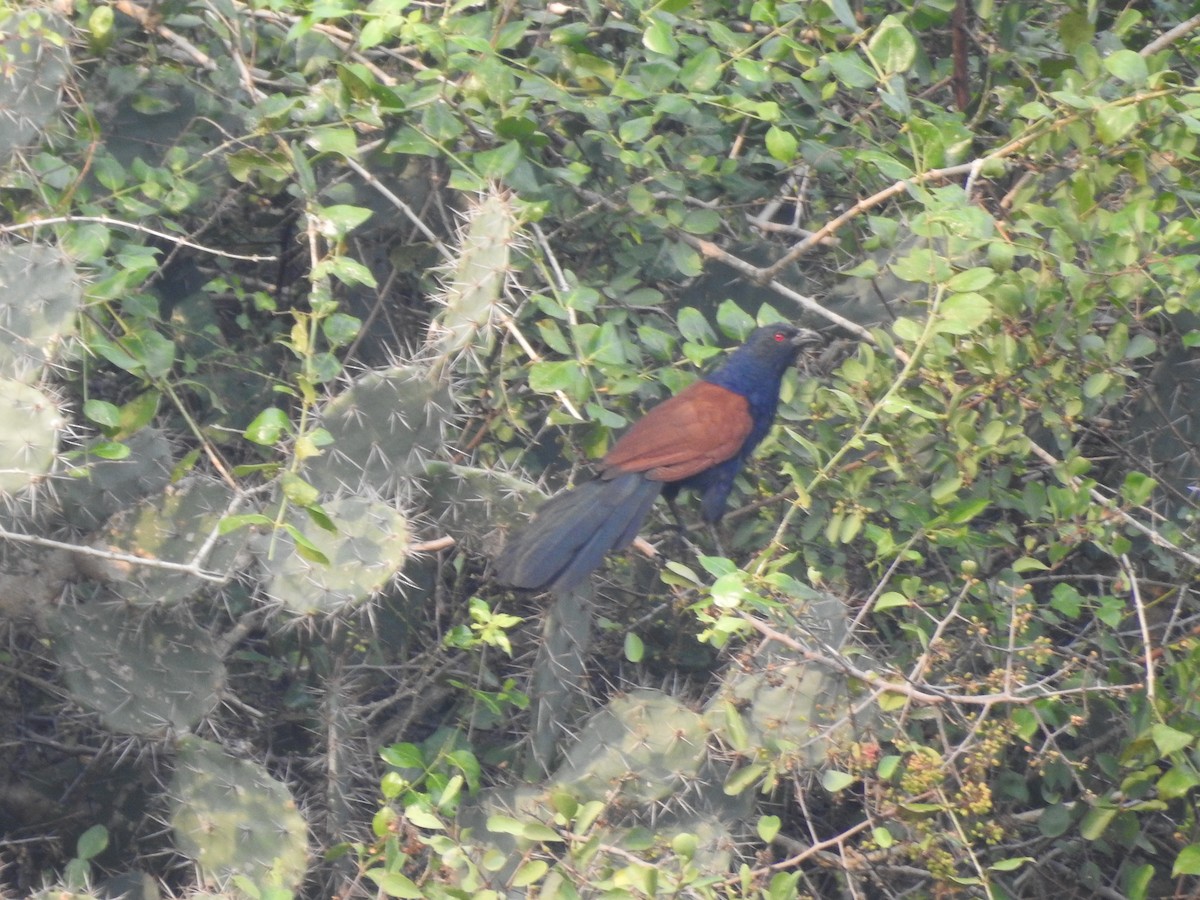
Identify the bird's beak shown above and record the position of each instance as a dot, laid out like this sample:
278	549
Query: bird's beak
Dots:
807	338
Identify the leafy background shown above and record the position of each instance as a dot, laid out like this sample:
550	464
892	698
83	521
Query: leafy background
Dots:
306	303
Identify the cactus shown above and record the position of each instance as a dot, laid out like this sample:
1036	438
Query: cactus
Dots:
470	502
30	424
102	487
368	548
141	671
643	744
472	288
34	65
175	526
40	294
384	427
233	819
790	708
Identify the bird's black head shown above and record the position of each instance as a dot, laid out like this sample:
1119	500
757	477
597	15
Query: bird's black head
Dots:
764	357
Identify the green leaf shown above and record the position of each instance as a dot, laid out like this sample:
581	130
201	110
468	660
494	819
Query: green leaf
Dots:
268	426
658	38
782	145
530	873
743	779
403	756
297	490
1127	65
891	600
686	260
963	313
768	827
701	71
971	279
334	139
1096	821
233	523
1137	881
1187	862
1114	122
566	375
109	450
1177	782
1054	820
833	780
92	842
753	70
393	884
1137	488
635	130
634	648
849	68
1010	864
845	15
499	162
102	413
892	47
1169	740
338	221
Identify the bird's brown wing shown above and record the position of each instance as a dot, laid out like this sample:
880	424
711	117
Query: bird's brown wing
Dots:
699	427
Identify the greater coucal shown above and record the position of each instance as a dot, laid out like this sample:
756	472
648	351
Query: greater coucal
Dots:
697	439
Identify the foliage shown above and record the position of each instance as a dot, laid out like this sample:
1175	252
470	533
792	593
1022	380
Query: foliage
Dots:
306	303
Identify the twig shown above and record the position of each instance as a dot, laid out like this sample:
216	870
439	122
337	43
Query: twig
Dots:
712	251
442	543
395	200
927	696
133	226
1171	36
149	23
188	568
1155	538
1144	626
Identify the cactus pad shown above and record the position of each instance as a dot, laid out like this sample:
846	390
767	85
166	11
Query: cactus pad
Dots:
471	502
232	818
644	744
172	526
40	294
30	423
35	67
474	285
384	427
369	547
141	671
101	487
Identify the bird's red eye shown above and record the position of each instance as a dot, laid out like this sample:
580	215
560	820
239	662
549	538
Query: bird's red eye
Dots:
780	337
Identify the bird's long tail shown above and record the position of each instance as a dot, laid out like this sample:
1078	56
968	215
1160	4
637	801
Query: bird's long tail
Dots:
573	532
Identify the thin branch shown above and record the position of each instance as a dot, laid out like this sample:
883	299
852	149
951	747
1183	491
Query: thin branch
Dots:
1144	626
188	568
1169	37
1155	538
928	696
149	22
395	200
31	224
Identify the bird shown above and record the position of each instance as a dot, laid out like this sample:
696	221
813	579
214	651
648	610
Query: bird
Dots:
699	439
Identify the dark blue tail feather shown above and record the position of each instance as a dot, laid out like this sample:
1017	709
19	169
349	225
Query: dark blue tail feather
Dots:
575	530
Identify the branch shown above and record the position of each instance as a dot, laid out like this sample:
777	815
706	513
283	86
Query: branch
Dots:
132	226
1109	504
188	568
927	696
1169	37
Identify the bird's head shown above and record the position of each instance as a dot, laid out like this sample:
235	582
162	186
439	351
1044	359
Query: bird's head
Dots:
778	345
767	353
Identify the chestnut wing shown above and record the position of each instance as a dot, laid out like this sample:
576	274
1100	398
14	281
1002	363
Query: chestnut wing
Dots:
701	426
